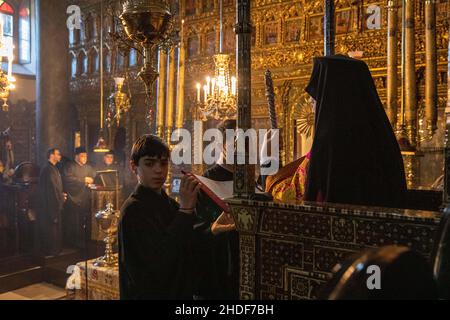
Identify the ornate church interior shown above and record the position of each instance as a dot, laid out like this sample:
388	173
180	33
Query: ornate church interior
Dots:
97	96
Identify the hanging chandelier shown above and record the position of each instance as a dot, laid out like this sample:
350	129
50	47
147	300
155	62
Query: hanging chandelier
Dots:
219	92
6	79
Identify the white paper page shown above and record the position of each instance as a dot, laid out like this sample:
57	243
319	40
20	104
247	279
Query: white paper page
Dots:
223	189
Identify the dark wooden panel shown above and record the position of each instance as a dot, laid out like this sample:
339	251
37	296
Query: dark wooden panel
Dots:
288	250
424	200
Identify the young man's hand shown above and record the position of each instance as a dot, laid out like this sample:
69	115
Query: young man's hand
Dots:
189	188
224	223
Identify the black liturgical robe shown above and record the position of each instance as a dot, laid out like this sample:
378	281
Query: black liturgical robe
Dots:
51	201
78	202
218	256
155	248
355	157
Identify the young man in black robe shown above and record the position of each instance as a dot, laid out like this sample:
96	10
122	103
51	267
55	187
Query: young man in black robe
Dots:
156	259
51	200
78	175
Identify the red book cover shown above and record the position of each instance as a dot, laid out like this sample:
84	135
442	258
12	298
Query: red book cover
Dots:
216	190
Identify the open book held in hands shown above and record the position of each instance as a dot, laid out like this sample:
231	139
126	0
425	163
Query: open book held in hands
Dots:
217	191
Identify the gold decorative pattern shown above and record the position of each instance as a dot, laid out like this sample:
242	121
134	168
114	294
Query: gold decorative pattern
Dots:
303	113
287	60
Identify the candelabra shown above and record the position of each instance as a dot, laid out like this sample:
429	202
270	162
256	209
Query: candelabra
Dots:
219	92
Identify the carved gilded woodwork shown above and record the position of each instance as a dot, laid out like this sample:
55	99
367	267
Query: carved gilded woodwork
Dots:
296	26
290	56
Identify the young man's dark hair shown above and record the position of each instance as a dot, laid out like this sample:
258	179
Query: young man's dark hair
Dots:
80	150
109	152
50	152
149	145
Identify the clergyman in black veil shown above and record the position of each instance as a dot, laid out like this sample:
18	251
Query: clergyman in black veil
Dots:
355	157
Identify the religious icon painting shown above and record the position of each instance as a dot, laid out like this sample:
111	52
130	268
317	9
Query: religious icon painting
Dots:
193	46
207	6
271	33
292	31
441	10
315	27
229	41
343	21
190	7
210	43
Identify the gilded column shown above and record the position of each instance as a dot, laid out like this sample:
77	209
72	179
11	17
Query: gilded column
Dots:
431	67
161	93
410	94
446	193
244	178
180	89
170	94
392	66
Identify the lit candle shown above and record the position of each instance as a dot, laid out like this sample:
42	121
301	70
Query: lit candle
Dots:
208	82
205	89
233	85
213	85
198	92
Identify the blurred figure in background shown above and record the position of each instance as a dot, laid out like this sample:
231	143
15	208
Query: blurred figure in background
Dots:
51	202
78	175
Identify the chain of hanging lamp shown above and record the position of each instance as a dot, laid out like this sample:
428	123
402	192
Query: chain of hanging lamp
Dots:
101	146
216	98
